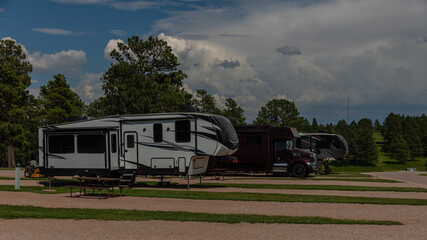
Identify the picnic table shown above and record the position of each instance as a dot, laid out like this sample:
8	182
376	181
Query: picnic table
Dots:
96	183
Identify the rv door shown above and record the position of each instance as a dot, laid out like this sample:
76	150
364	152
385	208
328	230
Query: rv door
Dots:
131	150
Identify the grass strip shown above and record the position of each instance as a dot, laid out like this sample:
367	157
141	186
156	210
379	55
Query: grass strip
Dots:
270	197
242	196
18	212
317	187
321	179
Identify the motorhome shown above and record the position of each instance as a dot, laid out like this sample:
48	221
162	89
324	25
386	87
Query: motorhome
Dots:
148	144
268	149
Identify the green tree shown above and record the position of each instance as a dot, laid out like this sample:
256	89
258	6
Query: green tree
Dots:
315	125
234	112
144	78
367	153
279	112
14	80
399	149
58	101
205	102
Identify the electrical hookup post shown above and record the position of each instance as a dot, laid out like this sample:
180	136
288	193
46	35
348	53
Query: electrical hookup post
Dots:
17	177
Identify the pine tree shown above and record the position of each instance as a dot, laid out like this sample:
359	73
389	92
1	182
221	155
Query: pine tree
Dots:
14	80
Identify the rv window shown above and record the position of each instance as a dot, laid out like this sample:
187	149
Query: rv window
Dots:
113	143
182	131
61	144
158	132
253	140
91	143
130	141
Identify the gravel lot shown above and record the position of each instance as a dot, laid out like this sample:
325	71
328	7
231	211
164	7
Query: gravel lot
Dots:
413	217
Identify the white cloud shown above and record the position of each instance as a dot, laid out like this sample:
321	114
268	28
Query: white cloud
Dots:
54	31
122	5
135	5
34	91
65	62
365	50
117	32
111	45
89	88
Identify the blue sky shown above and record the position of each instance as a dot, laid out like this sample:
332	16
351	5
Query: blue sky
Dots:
315	53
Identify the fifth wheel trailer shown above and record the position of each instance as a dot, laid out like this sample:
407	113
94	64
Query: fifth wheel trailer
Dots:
326	145
149	144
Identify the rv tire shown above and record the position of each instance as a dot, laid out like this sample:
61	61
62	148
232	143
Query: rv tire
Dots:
299	170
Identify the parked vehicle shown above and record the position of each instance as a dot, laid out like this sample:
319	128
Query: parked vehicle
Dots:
325	145
328	147
149	144
268	149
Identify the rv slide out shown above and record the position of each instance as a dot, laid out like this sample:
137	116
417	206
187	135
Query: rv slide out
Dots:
149	144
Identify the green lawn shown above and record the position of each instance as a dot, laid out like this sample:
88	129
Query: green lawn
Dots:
241	196
17	212
317	187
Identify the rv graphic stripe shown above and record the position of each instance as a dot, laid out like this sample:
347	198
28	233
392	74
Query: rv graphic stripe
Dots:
55	156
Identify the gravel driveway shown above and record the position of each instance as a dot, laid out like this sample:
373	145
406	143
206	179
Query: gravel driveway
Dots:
413	217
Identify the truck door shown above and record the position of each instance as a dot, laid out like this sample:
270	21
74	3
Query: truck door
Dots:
282	153
131	150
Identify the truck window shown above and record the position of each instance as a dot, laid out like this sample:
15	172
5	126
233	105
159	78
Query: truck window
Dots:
182	131
91	143
158	132
61	144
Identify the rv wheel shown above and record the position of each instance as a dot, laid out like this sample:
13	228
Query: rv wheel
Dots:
298	170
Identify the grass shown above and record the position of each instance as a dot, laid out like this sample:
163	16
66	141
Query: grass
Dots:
240	196
318	187
18	212
325	179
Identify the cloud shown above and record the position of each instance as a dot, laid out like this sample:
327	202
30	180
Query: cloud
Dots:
1	10
34	91
118	32
53	31
135	5
66	62
122	5
364	50
229	64
289	51
111	45
89	88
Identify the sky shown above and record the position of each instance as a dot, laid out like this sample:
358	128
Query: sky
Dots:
327	56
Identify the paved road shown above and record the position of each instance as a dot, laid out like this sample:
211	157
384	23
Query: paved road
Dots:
414	177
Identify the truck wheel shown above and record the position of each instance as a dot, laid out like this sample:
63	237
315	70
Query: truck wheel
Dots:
27	173
298	170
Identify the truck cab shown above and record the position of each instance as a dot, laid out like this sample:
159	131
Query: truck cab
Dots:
289	160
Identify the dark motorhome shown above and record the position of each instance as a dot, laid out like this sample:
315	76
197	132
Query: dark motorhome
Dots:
268	149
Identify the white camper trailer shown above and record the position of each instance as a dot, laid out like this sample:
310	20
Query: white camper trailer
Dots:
149	144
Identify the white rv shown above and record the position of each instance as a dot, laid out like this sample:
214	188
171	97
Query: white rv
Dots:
149	144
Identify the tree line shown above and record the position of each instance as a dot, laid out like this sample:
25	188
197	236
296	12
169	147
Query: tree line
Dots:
144	77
